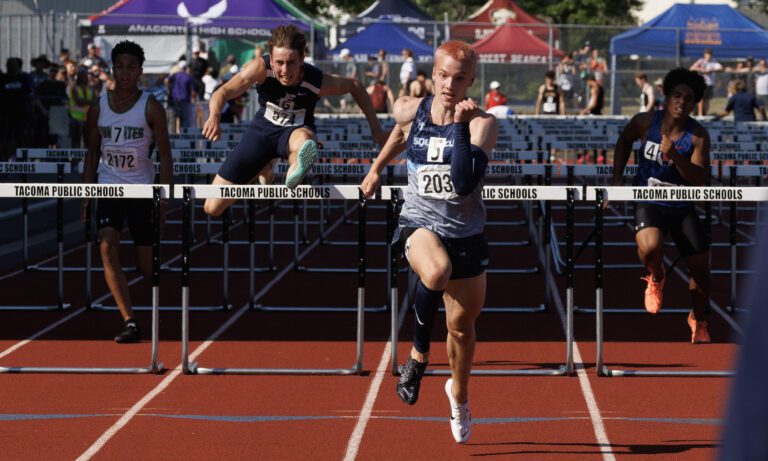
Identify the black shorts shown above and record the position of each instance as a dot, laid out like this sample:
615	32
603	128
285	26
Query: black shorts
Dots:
468	255
686	228
709	92
138	212
258	146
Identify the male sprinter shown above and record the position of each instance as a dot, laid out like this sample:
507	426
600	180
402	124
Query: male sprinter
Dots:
442	221
675	152
284	126
121	128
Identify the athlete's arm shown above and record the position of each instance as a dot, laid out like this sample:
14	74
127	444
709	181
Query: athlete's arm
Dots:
593	92
539	98
404	112
252	73
695	170
159	125
634	130
91	161
475	135
334	85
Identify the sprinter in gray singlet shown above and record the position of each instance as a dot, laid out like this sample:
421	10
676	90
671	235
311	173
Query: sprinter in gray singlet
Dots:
441	225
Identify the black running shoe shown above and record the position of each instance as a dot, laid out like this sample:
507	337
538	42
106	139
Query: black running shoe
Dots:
129	335
410	380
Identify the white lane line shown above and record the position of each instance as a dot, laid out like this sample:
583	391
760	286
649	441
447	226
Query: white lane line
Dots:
353	446
128	416
586	389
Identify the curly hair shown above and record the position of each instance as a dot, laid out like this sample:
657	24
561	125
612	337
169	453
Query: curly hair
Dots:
689	78
128	47
288	37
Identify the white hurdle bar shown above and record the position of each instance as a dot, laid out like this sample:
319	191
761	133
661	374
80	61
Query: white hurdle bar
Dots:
117	191
191	192
706	194
490	193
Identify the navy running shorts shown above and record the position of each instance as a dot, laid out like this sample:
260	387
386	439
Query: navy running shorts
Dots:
468	255
138	212
687	230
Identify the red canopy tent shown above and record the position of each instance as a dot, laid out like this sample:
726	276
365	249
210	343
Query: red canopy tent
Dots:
495	13
514	44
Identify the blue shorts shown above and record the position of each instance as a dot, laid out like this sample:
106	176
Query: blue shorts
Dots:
468	255
258	146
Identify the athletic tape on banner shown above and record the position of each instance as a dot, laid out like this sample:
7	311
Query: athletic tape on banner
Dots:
345	192
36	190
505	192
33	167
685	194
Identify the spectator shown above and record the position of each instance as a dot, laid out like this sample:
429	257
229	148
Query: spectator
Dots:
407	71
761	82
647	95
16	109
350	71
92	57
708	68
373	69
550	100
197	66
742	104
81	96
64	56
213	63
494	97
384	76
40	72
210	83
422	86
596	97
71	68
182	90
660	100
380	94
229	68
568	80
597	66
50	93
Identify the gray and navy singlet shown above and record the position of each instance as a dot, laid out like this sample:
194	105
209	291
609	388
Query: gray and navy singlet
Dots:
430	199
652	164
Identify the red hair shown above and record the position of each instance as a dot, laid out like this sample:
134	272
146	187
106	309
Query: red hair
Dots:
458	50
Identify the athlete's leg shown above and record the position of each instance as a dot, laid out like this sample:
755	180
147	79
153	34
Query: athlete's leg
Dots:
429	260
113	272
464	299
216	206
650	250
699	286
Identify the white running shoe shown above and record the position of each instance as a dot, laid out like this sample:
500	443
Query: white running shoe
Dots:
461	418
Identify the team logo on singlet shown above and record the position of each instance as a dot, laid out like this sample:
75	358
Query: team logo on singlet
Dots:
283	113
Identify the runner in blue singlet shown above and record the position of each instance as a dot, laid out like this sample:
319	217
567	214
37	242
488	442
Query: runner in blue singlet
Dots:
674	152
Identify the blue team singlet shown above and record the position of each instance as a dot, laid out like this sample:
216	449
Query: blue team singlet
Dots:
430	199
652	164
288	106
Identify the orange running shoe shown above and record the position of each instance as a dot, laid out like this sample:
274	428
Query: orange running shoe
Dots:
699	332
653	293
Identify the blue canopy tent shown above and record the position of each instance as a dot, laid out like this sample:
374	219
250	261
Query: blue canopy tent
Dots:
406	13
685	31
388	36
160	27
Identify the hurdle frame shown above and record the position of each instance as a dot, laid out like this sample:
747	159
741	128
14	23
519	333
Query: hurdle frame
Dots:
155	193
190	192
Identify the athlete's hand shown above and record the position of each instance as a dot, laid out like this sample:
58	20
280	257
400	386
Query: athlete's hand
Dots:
370	183
465	111
666	144
212	129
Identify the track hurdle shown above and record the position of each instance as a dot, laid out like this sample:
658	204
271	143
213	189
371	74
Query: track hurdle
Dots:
119	191
706	194
492	193
191	192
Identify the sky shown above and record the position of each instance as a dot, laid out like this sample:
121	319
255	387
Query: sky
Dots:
653	8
